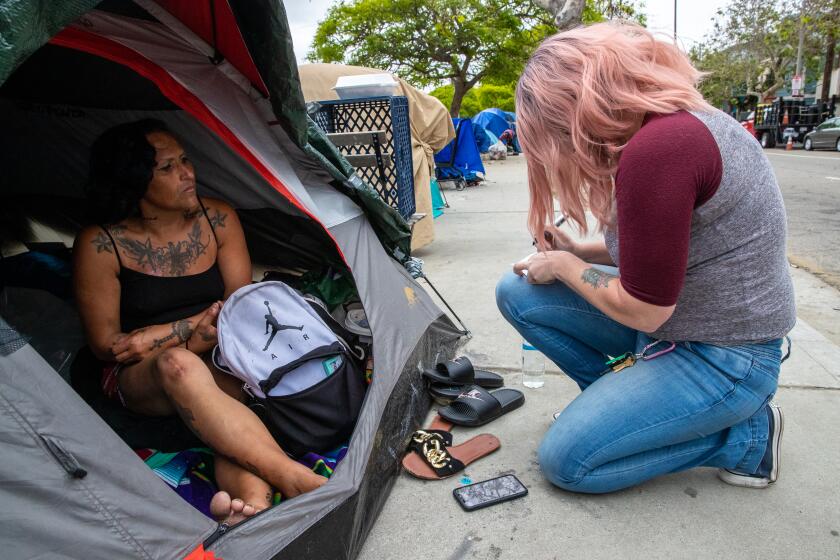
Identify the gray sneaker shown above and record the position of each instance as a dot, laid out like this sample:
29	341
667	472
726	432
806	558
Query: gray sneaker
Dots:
768	470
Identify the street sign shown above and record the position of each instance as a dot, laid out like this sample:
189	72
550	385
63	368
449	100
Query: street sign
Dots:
796	86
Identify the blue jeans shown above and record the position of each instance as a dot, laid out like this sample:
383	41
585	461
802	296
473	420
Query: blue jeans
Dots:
699	405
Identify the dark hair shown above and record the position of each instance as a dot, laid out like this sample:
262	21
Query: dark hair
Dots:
122	162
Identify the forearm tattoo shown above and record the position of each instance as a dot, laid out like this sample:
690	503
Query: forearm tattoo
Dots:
596	278
180	330
174	259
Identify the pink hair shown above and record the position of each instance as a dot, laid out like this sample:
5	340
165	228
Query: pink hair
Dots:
582	96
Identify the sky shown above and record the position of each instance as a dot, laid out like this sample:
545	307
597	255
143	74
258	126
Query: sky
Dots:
694	19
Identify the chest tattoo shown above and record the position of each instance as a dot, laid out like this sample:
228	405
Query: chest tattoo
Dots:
172	259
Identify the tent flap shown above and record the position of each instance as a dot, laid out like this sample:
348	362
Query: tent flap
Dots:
116	507
265	29
26	25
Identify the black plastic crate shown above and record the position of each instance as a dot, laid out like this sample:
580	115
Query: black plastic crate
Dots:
377	113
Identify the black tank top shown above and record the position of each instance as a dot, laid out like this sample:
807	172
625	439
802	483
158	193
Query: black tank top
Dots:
155	300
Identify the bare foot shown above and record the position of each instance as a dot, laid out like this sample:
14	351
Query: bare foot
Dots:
299	480
230	511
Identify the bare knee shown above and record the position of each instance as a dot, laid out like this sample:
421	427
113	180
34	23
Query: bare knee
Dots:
175	366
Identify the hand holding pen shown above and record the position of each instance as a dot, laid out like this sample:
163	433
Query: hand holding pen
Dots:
555	238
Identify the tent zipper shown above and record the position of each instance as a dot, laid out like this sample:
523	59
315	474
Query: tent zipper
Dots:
66	459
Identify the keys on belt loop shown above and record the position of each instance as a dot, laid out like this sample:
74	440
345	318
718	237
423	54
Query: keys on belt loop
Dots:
629	359
644	355
626	360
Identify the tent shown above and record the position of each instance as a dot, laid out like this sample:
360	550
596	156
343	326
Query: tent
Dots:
494	120
222	75
482	139
431	130
497	121
460	158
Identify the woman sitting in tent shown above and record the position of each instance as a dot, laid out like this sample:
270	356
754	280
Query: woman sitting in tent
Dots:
149	280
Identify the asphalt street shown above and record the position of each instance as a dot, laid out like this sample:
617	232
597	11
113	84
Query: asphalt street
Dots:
810	183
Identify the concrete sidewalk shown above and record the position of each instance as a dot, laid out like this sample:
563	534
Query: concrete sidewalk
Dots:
686	515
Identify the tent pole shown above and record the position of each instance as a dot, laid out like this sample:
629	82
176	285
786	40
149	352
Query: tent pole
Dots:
464	328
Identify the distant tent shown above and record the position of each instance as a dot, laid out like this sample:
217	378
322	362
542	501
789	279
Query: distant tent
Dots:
460	158
482	138
494	120
497	121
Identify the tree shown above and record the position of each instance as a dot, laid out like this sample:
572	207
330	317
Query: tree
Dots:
569	13
431	42
827	21
479	98
752	48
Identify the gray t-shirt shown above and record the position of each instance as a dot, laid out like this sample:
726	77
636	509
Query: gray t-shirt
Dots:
736	287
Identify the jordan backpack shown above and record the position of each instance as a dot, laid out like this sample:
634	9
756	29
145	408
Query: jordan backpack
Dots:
300	366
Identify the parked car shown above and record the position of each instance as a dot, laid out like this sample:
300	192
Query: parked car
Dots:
826	135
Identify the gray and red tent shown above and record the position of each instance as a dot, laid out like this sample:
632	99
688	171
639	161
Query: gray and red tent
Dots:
222	75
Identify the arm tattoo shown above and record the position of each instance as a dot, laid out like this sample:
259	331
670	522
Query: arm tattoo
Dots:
206	337
180	330
218	220
102	243
596	278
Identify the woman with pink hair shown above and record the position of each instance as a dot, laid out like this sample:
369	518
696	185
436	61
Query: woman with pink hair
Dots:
677	351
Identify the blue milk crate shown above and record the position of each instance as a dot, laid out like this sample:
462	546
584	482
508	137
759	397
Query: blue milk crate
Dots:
377	113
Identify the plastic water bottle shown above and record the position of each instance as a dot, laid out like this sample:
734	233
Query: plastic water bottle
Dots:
533	366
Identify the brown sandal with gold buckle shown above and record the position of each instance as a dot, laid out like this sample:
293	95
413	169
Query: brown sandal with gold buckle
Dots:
432	456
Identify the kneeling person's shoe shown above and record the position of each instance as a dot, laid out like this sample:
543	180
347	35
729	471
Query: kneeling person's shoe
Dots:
768	470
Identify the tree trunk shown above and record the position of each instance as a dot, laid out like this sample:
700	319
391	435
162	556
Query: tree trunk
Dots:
567	13
829	64
770	91
460	90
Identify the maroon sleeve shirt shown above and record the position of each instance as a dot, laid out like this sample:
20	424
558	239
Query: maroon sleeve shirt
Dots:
671	166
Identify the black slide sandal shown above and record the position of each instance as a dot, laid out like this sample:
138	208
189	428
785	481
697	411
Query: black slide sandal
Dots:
460	371
476	406
445	394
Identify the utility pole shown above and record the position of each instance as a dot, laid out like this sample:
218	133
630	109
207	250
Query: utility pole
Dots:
799	49
675	22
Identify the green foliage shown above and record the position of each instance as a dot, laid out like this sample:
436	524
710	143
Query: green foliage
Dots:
600	10
429	42
752	49
479	98
461	42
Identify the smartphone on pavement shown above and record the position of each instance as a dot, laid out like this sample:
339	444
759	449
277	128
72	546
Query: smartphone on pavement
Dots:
489	492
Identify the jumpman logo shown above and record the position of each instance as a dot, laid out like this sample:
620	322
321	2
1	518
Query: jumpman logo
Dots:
271	320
